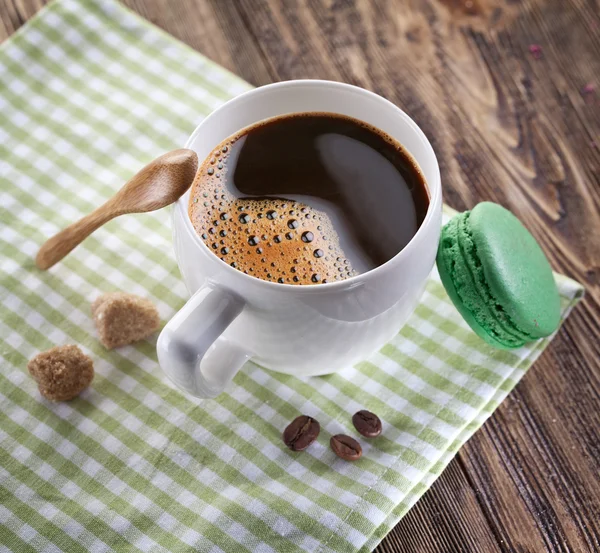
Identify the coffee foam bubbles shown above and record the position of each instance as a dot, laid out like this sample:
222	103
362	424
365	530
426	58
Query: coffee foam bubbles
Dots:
274	239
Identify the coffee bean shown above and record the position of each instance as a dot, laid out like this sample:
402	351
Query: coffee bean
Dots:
301	432
368	424
345	447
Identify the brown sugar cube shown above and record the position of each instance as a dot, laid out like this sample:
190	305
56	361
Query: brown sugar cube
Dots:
124	318
62	372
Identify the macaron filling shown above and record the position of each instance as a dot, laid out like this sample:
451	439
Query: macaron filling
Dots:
466	272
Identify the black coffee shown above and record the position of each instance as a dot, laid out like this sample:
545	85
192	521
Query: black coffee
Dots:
308	198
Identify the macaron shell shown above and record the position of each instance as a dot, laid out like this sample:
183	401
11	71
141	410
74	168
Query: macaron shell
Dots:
516	270
490	314
459	282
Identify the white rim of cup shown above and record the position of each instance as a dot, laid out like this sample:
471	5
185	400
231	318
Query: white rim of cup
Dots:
434	189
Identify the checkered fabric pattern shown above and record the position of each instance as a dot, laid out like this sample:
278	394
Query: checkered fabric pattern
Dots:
88	94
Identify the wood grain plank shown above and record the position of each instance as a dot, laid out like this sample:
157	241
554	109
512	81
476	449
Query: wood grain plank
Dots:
432	526
208	29
15	13
507	126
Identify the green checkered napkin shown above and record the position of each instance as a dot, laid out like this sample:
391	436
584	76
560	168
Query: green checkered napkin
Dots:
88	94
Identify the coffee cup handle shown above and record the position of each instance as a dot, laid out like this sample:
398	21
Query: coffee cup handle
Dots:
191	348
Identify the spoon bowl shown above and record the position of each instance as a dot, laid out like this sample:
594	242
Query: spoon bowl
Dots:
158	184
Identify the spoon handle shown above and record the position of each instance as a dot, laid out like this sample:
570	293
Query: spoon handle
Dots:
57	247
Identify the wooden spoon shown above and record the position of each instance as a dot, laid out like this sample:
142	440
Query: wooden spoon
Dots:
158	184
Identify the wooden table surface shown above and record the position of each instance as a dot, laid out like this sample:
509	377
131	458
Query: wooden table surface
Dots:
508	92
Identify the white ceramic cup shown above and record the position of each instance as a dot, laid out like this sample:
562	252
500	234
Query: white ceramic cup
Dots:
301	330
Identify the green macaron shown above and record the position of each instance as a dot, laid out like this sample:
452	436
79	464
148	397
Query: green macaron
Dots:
498	277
